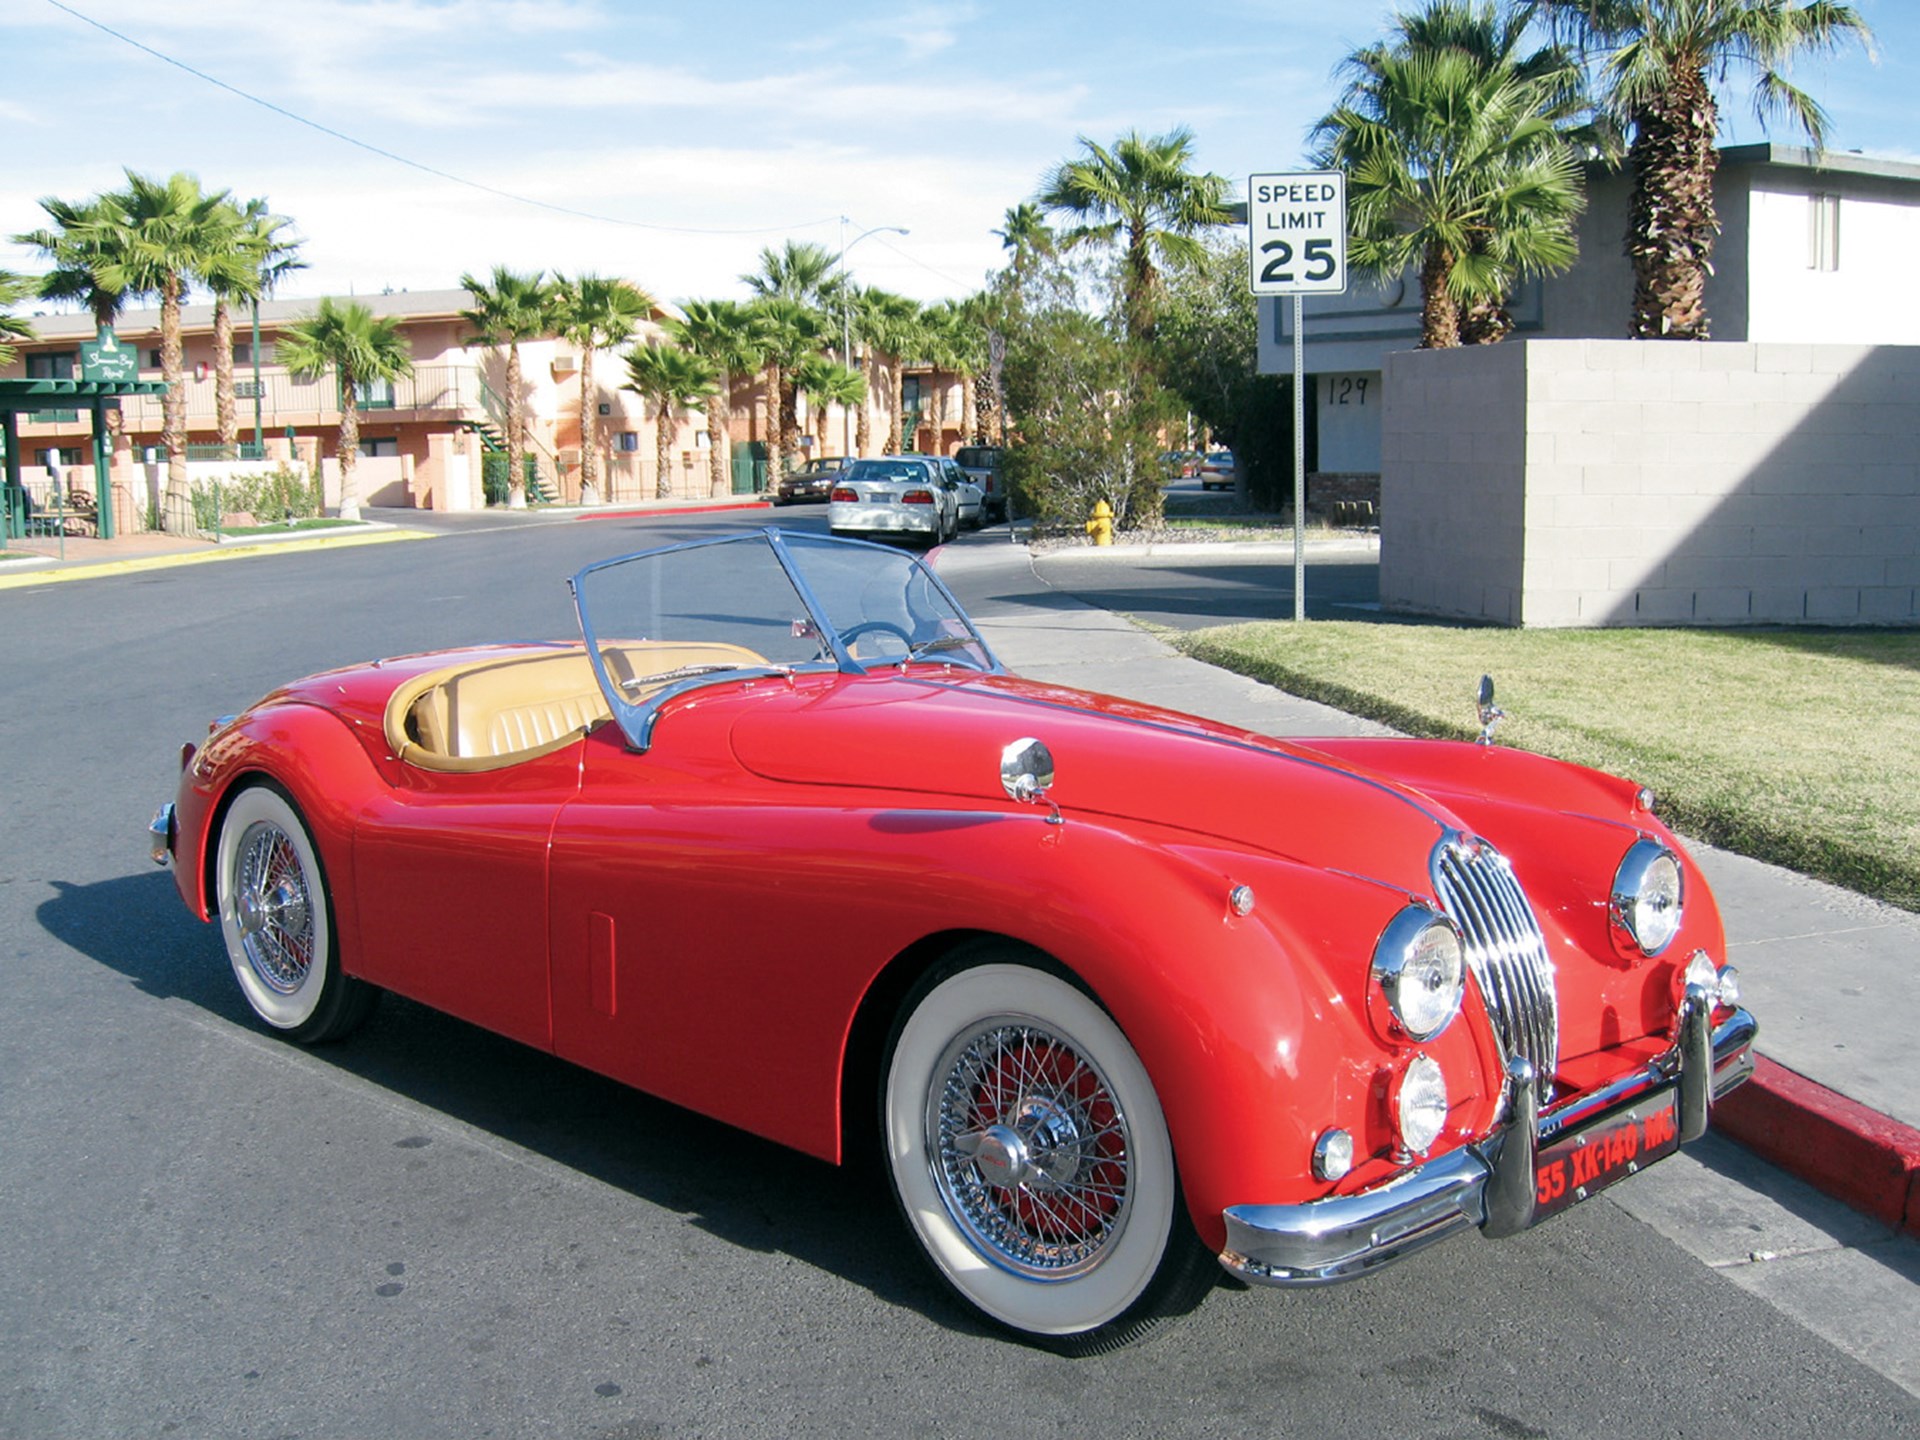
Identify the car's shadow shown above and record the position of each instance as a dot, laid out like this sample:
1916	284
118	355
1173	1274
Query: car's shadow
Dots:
747	1191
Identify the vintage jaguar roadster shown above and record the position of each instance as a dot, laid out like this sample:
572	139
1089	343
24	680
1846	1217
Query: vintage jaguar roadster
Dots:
1119	995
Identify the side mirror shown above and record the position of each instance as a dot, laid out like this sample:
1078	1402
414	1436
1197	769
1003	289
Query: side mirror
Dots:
1026	774
1490	713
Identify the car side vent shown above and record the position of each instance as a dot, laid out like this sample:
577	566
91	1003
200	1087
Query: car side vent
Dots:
1506	952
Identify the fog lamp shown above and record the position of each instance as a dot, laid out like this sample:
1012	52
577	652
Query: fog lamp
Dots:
1332	1154
1722	982
1420	1104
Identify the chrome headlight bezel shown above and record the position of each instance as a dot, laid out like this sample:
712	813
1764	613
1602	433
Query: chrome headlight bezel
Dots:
1648	900
1418	977
1420	1105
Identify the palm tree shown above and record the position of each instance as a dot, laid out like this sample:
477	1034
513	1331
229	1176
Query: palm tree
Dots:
1493	37
672	379
727	333
889	327
1455	168
254	255
261	253
360	350
596	313
151	239
13	289
1144	192
790	331
799	271
828	382
1659	81
509	308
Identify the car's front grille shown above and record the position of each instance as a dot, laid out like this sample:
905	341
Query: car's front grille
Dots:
1505	950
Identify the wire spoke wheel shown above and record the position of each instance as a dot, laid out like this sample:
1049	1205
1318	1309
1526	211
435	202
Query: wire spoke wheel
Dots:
1028	1152
277	921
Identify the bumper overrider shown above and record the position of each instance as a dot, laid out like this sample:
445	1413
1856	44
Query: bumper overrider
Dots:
160	835
1498	1184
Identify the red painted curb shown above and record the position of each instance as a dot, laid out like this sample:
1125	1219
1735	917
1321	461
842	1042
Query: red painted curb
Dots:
676	510
1837	1145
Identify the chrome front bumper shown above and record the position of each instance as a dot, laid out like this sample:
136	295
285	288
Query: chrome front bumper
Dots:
160	835
1490	1184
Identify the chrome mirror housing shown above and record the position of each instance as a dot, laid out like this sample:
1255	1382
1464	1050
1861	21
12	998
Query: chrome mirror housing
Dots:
1026	770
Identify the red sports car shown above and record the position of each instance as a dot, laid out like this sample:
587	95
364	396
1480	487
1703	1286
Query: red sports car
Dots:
1121	996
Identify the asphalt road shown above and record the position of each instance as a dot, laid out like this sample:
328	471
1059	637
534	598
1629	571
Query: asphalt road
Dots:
428	1231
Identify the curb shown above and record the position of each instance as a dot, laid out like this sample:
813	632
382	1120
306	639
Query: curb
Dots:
55	571
641	514
1837	1145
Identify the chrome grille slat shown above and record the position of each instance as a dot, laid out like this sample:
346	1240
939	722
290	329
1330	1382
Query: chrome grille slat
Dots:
1506	951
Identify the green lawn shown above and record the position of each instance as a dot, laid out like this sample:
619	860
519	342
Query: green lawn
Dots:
1801	747
289	527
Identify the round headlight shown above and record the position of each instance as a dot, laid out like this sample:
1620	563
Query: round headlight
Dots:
1420	970
1420	1104
1646	902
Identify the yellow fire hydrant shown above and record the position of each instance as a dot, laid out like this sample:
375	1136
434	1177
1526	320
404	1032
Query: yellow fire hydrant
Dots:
1100	527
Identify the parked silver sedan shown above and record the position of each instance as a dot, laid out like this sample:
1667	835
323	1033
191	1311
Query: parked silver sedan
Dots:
907	495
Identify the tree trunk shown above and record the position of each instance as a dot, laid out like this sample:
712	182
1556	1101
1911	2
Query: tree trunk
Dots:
1671	222
516	443
897	415
863	419
1439	315
589	431
225	415
719	413
969	409
663	452
349	447
1486	322
775	438
177	514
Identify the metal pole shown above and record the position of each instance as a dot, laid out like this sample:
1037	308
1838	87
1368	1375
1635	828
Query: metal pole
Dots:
1299	467
259	443
846	341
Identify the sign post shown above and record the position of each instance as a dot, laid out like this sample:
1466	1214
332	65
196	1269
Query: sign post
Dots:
1297	245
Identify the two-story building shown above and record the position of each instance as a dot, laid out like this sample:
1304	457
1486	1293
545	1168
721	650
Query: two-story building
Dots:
1814	249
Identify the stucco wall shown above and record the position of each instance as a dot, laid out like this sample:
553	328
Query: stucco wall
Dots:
1613	482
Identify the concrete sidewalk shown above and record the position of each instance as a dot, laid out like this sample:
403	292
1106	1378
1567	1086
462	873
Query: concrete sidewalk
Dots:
1836	1099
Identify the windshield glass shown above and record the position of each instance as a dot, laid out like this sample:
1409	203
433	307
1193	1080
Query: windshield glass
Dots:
911	472
709	612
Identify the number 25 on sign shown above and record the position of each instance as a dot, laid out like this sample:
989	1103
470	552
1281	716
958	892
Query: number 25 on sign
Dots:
1297	233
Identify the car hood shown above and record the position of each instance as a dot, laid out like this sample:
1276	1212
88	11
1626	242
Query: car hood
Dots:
1114	759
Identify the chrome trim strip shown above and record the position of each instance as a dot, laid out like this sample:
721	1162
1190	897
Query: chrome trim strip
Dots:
1491	1184
160	835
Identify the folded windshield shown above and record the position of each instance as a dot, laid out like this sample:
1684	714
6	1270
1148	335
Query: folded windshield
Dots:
770	602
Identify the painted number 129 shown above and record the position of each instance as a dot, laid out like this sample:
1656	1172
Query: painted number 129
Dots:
1279	270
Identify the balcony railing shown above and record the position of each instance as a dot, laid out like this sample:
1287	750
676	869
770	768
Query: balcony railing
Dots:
440	391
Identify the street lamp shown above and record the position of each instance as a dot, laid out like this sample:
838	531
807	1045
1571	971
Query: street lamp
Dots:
846	318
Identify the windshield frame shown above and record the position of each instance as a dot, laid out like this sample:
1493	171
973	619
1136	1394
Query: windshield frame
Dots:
636	721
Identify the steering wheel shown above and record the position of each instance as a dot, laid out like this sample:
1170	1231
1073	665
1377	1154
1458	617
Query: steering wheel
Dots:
868	627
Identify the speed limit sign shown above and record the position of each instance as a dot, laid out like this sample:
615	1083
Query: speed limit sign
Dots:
1297	233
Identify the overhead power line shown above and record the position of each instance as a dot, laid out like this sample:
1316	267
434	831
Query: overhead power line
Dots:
372	149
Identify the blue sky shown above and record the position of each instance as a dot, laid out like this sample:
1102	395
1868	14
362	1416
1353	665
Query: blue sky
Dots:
684	138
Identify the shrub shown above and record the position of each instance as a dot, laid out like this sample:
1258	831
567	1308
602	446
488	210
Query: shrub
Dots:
287	492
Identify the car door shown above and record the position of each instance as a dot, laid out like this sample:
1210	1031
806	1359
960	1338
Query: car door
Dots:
452	899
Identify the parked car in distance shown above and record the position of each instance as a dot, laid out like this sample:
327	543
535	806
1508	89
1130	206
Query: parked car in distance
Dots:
810	480
913	496
1216	470
1115	997
968	494
1180	464
982	466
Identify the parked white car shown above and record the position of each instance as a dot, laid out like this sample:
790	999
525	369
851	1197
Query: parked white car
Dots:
909	495
968	492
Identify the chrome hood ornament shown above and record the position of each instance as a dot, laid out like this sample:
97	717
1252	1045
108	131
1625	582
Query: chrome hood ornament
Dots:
1490	713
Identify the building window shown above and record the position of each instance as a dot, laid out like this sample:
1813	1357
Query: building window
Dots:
626	440
380	445
1823	232
153	359
52	365
374	394
249	389
70	457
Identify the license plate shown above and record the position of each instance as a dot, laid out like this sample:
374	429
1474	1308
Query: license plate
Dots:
1585	1161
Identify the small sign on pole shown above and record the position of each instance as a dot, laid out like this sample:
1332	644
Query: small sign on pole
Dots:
1297	245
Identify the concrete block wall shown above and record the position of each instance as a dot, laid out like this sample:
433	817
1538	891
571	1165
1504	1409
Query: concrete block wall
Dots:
1619	482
